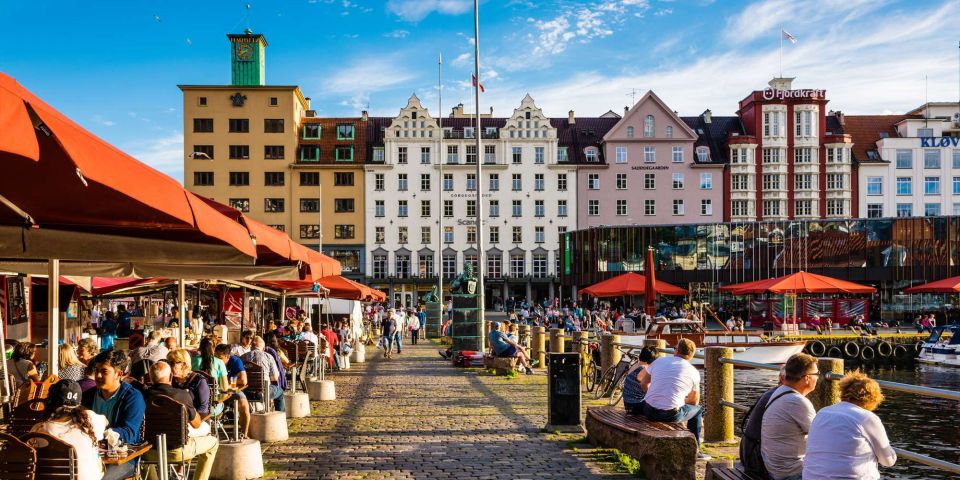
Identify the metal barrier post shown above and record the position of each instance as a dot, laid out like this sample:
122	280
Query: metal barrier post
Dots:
717	420
556	340
584	348
539	346
827	392
609	354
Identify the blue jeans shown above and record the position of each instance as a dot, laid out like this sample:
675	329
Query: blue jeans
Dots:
691	414
120	472
396	339
278	401
387	343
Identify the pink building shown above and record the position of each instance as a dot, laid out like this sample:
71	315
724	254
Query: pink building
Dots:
658	168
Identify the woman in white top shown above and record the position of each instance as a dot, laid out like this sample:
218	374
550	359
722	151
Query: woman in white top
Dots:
76	426
847	440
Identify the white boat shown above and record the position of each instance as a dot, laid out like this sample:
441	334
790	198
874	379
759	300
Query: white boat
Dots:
937	351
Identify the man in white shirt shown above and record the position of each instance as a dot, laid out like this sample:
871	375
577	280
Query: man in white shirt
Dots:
786	421
308	334
673	390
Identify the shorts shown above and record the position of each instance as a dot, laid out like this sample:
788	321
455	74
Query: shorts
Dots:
511	351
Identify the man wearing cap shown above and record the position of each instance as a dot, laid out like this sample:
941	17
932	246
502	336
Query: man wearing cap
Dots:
505	346
66	422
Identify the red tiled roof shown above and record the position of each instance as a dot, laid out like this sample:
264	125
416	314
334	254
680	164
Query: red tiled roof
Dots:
866	130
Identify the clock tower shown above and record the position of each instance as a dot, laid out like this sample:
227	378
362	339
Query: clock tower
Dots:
247	58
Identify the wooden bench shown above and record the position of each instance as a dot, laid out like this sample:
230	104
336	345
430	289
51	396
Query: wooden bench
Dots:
664	450
726	470
502	365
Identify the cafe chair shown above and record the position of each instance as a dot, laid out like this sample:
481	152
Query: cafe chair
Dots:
34	390
56	459
216	420
19	459
167	418
26	415
258	387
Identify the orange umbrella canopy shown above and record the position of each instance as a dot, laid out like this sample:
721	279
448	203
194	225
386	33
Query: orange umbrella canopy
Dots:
947	285
630	284
799	282
336	285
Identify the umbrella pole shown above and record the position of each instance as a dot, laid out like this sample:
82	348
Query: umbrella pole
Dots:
53	316
5	381
181	302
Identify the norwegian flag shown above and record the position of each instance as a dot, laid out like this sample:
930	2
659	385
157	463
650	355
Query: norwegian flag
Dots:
477	84
788	36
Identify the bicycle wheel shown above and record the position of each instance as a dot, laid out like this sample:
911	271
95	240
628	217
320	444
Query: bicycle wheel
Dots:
616	390
590	380
605	382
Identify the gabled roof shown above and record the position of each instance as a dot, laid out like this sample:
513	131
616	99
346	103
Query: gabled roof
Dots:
867	130
584	132
652	97
714	135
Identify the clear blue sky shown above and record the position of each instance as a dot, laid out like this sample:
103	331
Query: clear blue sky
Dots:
113	66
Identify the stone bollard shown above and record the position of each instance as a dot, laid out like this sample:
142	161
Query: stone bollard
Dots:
609	355
297	403
539	347
269	427
322	390
581	341
556	340
655	344
359	354
828	391
238	461
718	419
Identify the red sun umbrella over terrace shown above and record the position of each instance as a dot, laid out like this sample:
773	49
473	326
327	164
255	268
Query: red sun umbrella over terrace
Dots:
630	284
799	282
335	285
947	285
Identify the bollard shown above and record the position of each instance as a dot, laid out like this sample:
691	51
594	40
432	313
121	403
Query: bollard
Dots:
581	341
827	391
655	344
609	355
525	336
556	340
486	328
539	346
717	419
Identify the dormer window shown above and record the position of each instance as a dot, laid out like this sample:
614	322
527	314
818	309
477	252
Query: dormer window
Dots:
592	154
467	132
924	132
703	154
648	127
629	132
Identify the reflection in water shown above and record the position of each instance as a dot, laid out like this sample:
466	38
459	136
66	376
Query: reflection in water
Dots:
919	424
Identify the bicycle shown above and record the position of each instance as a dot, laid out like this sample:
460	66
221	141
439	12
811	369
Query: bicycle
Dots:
592	372
614	375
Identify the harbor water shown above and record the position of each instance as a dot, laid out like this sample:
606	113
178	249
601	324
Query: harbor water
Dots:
920	424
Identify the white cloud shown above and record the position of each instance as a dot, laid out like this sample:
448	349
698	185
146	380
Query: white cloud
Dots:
765	17
582	24
366	75
103	121
663	11
462	59
397	34
416	10
163	153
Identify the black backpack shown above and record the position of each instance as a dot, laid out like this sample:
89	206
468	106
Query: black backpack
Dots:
750	456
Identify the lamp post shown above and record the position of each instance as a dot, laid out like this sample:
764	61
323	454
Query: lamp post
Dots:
478	132
439	255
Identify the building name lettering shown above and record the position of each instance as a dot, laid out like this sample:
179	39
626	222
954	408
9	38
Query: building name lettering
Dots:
461	221
930	142
649	167
777	94
469	195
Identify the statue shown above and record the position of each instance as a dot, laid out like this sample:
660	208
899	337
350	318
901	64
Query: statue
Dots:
466	283
431	297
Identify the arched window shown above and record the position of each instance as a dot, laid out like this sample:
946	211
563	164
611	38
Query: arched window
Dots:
703	154
648	127
629	132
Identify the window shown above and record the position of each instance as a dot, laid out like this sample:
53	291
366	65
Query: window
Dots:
517	208
706	206
449	265
804	181
649	207
344	231
538	235
678	206
402	182
379	208
311	131
202	101
621	207
425	262
239	178
771	208
310	205
282	228
242	204
803	208
426	238
835	207
904	209
648	126
239	125
924	132
471	181
931	209
274	101
471	154
538	155
343	205
471	208
904	159
378	182
494	266
516	182
678	181
424	208
403	265
447	182
593	181
468	132
425	155
562	182
649	155
378	156
669	131
874	185
343	153
738	208
703	154
803	123
309	231
837	155
593	207
452	155
802	155
771	181
309	179
874	210
379	235
239	152
772	122
771	155
956	159
272	125
273	205
621	181
931	186
538	210
629	132
447	234
380	265
202	125
517	155
494	234
448	208
739	181
494	183
904	186
931	159
592	154
273	152
706	181
202	152
471	234
402	208
835	181
649	181
956	185
517	234
402	235
425	182
345	131
562	154
494	208
621	154
539	265
677	155
401	155
309	153
739	155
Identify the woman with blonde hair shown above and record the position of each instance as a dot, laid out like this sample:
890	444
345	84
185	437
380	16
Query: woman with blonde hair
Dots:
847	440
71	368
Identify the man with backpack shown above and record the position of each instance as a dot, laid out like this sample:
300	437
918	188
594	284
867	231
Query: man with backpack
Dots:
775	431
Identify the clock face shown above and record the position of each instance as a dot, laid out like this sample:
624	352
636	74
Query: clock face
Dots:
244	51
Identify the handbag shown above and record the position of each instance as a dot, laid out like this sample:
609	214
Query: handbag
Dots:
345	348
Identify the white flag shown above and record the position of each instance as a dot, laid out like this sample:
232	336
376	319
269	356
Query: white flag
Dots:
788	36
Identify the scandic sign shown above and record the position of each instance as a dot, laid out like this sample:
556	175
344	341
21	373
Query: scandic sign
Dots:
777	94
930	142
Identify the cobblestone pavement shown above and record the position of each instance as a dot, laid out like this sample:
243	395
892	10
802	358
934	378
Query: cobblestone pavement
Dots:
417	417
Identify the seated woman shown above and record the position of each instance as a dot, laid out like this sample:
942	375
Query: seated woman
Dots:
505	347
76	426
633	393
21	366
183	377
71	368
206	361
847	440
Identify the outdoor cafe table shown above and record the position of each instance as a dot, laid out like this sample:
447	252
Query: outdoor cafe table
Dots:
133	451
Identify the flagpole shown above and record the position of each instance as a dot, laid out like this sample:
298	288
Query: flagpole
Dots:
781	51
438	258
478	133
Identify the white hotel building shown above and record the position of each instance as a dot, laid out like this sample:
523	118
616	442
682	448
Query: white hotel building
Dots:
529	200
909	165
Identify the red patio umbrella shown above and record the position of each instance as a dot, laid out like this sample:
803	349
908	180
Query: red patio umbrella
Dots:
799	282
650	301
947	285
630	284
335	285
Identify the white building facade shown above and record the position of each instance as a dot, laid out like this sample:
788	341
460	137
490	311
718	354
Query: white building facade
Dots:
529	200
